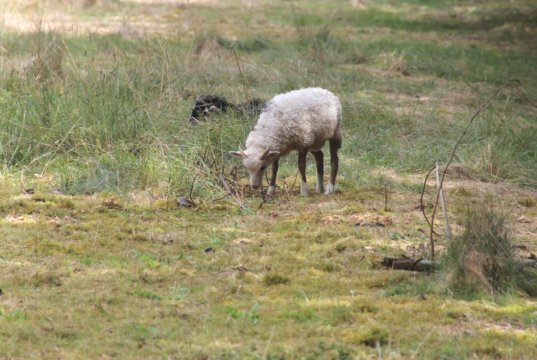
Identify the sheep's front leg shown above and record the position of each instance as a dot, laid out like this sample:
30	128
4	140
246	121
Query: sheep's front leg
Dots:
302	169
320	170
272	185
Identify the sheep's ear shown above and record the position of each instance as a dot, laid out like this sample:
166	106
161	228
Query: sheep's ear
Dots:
269	154
239	154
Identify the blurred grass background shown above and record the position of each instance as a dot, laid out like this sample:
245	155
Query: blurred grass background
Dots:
95	97
107	109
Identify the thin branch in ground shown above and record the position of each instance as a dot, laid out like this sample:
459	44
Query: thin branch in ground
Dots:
192	188
443	204
231	193
422	206
221	197
476	114
385	198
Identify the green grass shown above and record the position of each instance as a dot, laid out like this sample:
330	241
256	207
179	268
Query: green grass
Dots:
97	260
102	103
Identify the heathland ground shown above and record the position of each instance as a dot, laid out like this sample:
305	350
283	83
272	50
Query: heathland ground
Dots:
98	261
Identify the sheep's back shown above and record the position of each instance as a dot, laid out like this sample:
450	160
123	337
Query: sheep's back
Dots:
301	119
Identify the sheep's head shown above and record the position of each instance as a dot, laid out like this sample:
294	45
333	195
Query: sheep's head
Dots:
256	163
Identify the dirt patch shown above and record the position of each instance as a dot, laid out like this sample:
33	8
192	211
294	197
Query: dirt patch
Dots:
149	17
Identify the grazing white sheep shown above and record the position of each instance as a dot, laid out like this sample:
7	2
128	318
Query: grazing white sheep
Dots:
301	120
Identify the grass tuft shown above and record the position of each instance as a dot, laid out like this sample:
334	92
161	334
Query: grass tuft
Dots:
274	279
482	257
98	261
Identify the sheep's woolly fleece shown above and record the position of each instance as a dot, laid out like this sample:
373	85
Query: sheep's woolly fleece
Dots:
301	120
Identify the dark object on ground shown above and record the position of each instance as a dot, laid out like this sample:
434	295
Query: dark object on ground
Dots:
29	191
370	224
206	104
409	264
251	107
209	250
184	202
529	261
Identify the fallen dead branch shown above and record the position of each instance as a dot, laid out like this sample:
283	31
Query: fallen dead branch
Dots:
529	261
421	265
409	264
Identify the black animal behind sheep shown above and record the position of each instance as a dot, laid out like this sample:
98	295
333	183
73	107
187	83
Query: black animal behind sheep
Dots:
207	104
253	107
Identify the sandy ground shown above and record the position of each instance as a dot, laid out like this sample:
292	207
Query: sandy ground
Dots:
128	17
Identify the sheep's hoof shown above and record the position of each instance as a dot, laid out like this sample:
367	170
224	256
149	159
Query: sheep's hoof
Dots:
304	189
271	190
329	189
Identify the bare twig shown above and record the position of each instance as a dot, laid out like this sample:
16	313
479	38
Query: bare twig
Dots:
476	114
192	188
385	198
422	206
443	203
228	189
221	197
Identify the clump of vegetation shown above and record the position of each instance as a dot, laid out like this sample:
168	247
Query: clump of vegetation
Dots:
482	257
375	336
274	279
96	260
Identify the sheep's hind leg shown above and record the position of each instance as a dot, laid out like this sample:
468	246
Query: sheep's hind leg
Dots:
272	185
302	169
335	145
320	170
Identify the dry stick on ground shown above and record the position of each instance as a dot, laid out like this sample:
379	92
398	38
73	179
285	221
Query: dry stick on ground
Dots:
476	114
192	188
385	198
422	207
443	203
409	264
228	189
221	197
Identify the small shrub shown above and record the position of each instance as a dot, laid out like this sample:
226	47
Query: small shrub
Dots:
374	336
482	257
526	280
47	62
14	315
328	267
146	294
527	202
274	279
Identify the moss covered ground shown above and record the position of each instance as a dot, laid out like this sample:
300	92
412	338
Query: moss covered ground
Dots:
98	261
